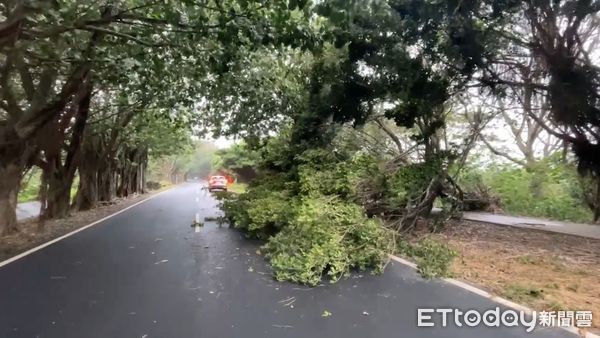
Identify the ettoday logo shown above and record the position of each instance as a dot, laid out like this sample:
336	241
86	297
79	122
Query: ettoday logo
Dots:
496	317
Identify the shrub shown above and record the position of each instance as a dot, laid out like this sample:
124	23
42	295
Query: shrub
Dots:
269	214
327	237
261	209
153	185
433	258
235	208
550	190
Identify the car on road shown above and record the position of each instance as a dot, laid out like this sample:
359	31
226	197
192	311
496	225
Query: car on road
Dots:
217	183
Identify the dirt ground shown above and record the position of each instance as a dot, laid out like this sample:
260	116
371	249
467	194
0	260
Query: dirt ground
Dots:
28	237
543	270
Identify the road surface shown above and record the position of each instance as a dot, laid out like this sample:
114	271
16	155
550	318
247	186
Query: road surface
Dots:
27	210
577	229
147	273
32	209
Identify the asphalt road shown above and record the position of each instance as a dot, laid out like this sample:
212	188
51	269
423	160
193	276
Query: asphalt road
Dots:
147	273
569	228
28	209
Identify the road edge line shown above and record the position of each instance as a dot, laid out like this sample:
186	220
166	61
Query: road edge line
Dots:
69	234
496	299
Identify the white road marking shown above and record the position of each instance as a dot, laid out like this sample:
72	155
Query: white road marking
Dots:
197	229
40	247
197	218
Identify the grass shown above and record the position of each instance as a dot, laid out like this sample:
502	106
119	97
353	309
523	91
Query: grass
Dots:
237	188
30	186
522	293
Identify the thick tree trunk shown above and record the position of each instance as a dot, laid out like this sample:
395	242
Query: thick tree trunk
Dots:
10	179
14	154
123	182
133	181
59	195
87	192
106	185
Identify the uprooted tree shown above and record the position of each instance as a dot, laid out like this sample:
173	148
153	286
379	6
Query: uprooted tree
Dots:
404	62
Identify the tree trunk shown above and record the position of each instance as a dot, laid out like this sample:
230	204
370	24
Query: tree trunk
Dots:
60	175
59	195
58	202
106	185
10	179
14	155
122	190
87	192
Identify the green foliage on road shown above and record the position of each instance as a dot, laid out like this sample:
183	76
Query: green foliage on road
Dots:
312	235
327	237
312	227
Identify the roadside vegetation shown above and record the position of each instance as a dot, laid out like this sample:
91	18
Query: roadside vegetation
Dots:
237	188
552	190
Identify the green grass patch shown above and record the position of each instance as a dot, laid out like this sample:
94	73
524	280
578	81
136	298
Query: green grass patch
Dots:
522	293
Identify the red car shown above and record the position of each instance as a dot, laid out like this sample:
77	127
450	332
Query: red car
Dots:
217	183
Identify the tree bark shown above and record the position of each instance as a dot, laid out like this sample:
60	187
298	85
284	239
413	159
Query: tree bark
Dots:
9	191
14	155
106	185
91	179
59	195
87	192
